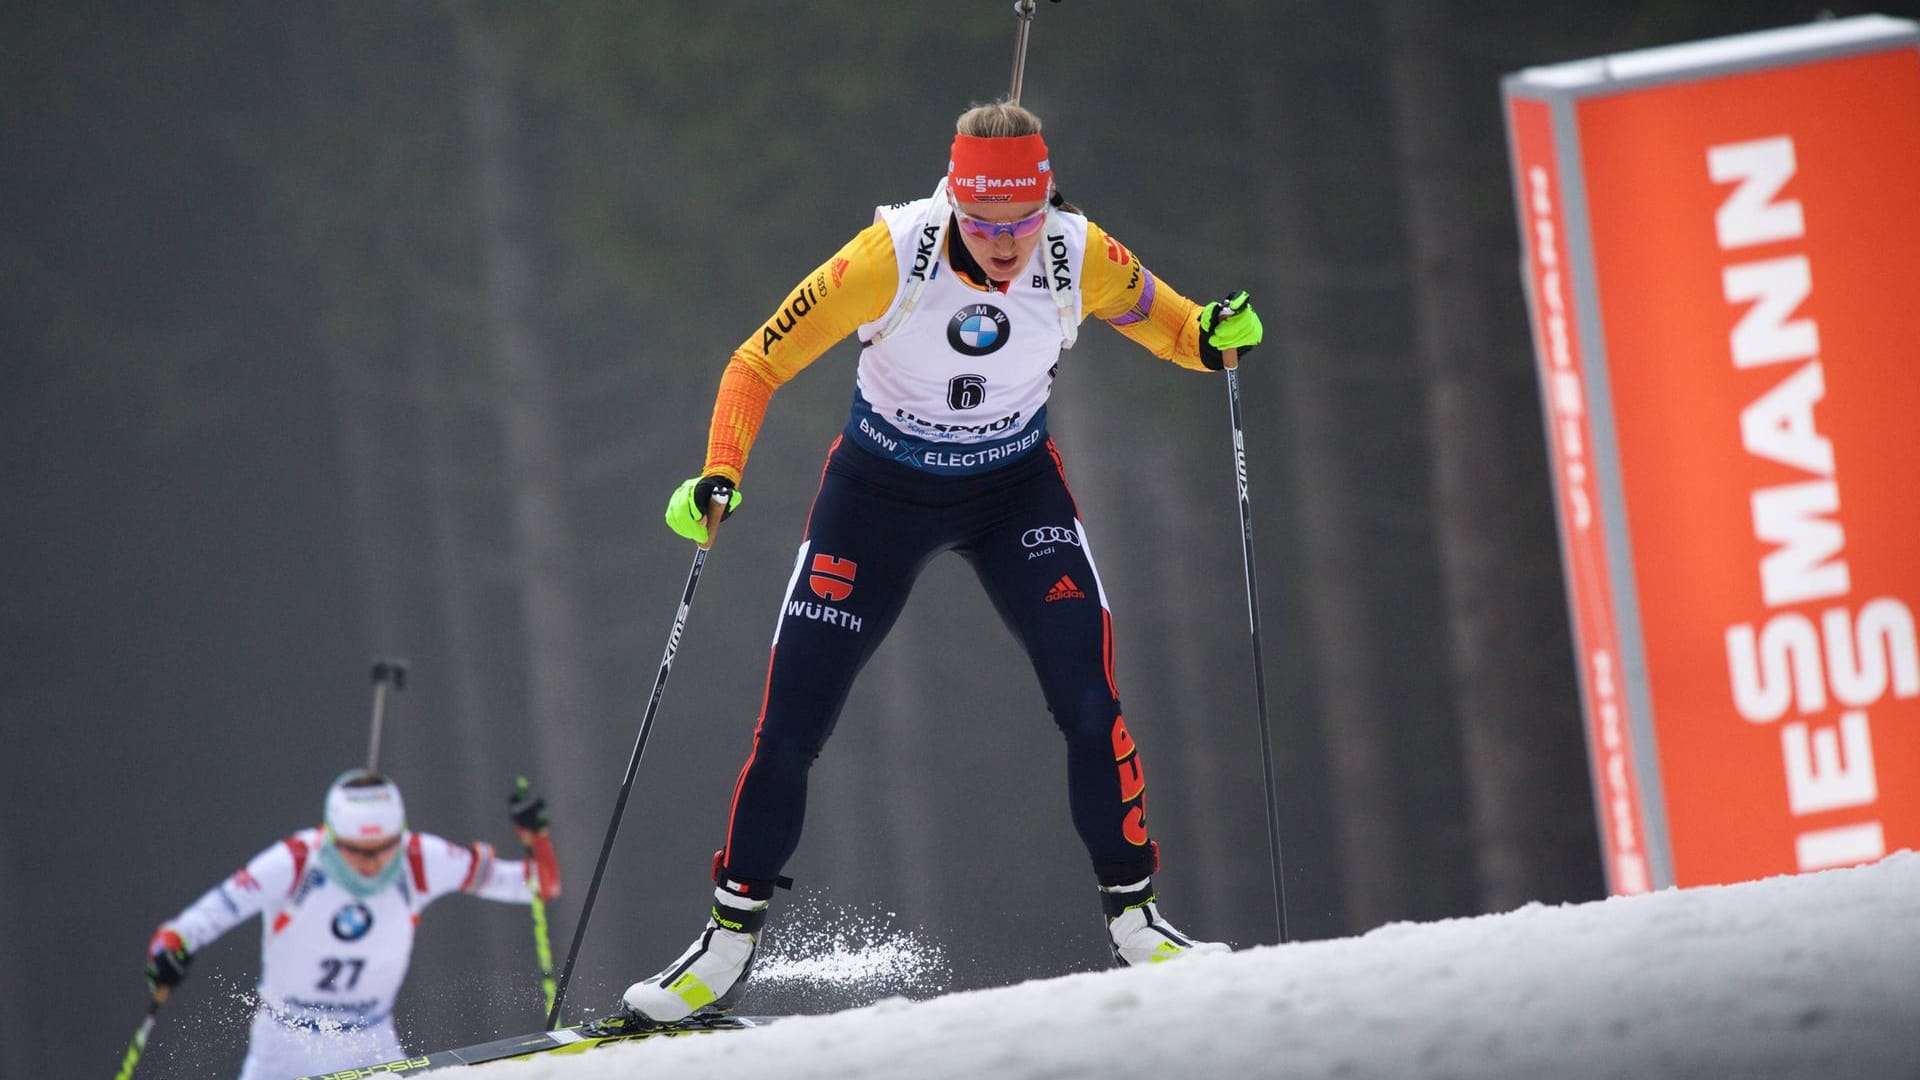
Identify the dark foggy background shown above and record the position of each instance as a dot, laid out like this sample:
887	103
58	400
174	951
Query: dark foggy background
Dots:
336	329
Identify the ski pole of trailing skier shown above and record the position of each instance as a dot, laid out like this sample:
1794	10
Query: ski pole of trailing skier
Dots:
385	670
716	509
542	940
139	1044
543	947
1231	361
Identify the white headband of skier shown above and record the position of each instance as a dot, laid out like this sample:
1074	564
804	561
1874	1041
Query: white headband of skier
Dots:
365	815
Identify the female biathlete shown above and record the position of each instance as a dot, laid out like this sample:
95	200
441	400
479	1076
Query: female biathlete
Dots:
962	301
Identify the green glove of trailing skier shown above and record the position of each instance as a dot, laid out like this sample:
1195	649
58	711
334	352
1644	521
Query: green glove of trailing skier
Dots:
167	959
528	808
687	509
1228	324
532	823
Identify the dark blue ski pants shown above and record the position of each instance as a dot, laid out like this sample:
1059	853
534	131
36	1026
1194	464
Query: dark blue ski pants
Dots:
875	524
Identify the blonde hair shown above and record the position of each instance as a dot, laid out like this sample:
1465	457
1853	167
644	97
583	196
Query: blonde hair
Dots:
997	120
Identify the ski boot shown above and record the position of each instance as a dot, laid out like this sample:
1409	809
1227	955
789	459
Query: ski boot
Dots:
712	974
1138	933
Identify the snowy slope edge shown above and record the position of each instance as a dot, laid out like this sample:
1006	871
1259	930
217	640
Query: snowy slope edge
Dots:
1809	976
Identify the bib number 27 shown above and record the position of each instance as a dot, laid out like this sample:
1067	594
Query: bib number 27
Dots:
331	968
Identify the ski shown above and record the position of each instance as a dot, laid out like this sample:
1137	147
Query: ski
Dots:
568	1040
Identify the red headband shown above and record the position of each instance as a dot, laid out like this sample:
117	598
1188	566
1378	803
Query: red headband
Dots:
1006	169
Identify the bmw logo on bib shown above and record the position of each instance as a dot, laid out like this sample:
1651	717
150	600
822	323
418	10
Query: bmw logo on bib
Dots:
352	922
978	329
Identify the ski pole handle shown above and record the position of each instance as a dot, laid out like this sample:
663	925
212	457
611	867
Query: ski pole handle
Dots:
139	1044
716	512
390	669
1230	357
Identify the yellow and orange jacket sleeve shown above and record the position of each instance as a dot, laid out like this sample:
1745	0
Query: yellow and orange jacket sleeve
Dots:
855	286
1117	288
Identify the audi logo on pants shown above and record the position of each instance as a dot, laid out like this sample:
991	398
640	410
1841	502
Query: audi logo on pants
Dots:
1049	534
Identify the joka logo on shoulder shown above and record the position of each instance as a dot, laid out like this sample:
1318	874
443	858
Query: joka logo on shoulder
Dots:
978	329
832	579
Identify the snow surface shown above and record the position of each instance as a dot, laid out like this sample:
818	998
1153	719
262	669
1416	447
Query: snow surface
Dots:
1813	976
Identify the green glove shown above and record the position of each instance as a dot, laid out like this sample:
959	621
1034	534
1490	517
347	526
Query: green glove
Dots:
687	509
167	958
1228	324
528	808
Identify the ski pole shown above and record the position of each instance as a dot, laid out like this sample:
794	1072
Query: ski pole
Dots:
1022	10
139	1044
543	947
1230	359
385	670
542	941
716	509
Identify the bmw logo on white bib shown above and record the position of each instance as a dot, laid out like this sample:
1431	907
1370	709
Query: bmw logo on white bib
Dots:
352	922
978	329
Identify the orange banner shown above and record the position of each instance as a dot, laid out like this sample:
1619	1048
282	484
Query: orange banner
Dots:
1550	289
1756	247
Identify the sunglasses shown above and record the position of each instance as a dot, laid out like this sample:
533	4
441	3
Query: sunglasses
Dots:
1019	229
